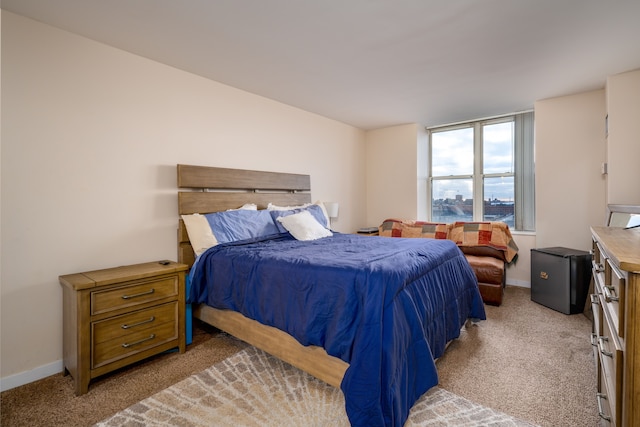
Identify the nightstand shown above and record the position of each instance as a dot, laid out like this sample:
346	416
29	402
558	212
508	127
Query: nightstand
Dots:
117	316
368	231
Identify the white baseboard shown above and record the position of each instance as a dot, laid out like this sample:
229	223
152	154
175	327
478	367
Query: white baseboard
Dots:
520	283
16	380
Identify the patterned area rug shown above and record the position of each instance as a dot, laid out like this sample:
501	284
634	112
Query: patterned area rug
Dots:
252	388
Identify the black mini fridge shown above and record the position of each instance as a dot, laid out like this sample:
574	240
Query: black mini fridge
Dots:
560	278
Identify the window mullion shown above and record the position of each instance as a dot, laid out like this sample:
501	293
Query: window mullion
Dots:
478	195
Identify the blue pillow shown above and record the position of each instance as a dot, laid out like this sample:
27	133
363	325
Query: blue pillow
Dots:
230	226
314	210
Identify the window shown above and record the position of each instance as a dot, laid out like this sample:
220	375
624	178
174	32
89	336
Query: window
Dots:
489	160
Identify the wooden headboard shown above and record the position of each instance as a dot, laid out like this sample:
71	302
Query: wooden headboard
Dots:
211	189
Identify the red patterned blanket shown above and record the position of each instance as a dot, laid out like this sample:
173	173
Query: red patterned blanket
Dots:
408	228
492	234
495	235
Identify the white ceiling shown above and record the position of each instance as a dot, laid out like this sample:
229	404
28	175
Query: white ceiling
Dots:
372	63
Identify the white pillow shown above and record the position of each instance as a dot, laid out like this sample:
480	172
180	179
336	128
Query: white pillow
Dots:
199	232
303	226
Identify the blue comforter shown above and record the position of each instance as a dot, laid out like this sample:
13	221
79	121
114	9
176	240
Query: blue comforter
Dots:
387	306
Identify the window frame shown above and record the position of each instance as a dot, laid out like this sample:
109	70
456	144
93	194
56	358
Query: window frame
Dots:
523	167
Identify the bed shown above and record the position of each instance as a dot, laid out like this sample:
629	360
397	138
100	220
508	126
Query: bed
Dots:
366	314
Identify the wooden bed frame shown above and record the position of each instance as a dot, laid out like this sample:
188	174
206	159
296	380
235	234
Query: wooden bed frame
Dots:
211	189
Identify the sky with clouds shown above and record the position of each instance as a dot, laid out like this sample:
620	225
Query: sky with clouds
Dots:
452	153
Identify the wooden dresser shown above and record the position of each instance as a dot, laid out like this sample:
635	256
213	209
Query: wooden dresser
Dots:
616	323
117	316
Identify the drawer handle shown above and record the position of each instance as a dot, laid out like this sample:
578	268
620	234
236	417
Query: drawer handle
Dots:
602	350
149	292
594	340
151	319
609	294
595	299
598	267
150	337
600	397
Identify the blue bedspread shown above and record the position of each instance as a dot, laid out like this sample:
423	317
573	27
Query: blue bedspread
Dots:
387	306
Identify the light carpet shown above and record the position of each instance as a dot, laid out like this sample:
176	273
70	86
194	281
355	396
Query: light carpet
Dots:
252	388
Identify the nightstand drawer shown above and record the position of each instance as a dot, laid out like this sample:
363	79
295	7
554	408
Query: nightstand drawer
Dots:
129	334
133	294
121	326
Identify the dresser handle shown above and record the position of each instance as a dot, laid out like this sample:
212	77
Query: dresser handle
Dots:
151	319
594	339
595	299
602	350
139	295
609	296
600	397
598	267
150	337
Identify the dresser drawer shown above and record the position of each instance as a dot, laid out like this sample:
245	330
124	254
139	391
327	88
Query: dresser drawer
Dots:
611	360
597	262
122	336
596	256
133	294
604	409
596	331
614	295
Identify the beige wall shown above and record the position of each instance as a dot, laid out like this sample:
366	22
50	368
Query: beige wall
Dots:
519	272
392	168
570	188
623	141
91	136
